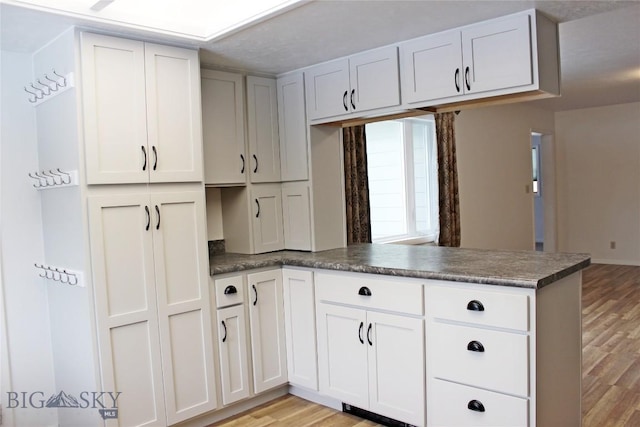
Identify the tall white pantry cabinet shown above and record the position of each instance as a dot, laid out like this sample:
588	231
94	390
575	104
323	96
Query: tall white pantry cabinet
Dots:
134	225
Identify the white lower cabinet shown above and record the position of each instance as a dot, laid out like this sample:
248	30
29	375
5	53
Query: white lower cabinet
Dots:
149	260
479	360
232	348
342	354
251	339
396	366
422	352
495	360
370	359
300	328
456	405
266	319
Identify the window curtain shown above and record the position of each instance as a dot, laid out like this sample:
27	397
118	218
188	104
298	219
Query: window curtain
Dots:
449	205
356	180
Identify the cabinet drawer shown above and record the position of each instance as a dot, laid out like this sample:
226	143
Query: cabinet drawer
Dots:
448	405
487	308
490	359
371	291
229	291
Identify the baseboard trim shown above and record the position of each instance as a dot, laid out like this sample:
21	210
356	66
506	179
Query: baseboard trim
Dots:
315	397
634	263
235	409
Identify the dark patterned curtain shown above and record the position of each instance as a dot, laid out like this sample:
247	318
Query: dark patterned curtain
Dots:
356	185
449	204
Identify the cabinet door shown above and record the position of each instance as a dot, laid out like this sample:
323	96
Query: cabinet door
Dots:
225	159
232	346
396	367
327	89
374	79
432	67
174	118
114	110
262	124
266	205
266	317
126	309
300	328
342	354
296	213
497	54
294	161
181	265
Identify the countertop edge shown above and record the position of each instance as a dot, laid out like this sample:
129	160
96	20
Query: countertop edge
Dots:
282	260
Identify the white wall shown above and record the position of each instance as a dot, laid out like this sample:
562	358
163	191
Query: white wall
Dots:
25	294
214	214
494	167
599	182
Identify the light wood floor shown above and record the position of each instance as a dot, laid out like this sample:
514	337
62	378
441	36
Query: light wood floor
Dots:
610	362
611	346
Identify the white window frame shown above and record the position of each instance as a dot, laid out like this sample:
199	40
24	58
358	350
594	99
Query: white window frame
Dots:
412	236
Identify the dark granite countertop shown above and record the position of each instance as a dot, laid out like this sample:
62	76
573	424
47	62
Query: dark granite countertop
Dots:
525	269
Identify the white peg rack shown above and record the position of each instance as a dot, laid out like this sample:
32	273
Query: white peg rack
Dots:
48	86
54	178
61	275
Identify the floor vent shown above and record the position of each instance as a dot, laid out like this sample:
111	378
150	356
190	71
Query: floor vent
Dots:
380	419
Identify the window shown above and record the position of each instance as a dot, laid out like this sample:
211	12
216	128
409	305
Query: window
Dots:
403	180
535	160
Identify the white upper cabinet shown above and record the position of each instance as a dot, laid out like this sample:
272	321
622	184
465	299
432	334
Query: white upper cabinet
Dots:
374	79
296	214
294	163
507	55
223	124
141	112
174	116
115	123
327	89
431	67
360	83
262	125
497	54
268	234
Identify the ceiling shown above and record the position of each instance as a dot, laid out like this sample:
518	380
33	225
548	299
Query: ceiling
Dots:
599	40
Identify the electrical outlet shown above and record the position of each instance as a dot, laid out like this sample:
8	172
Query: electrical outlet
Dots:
612	244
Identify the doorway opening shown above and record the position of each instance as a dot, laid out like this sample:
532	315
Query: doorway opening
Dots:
543	185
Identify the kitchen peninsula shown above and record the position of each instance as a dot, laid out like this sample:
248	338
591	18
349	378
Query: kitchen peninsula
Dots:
420	334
